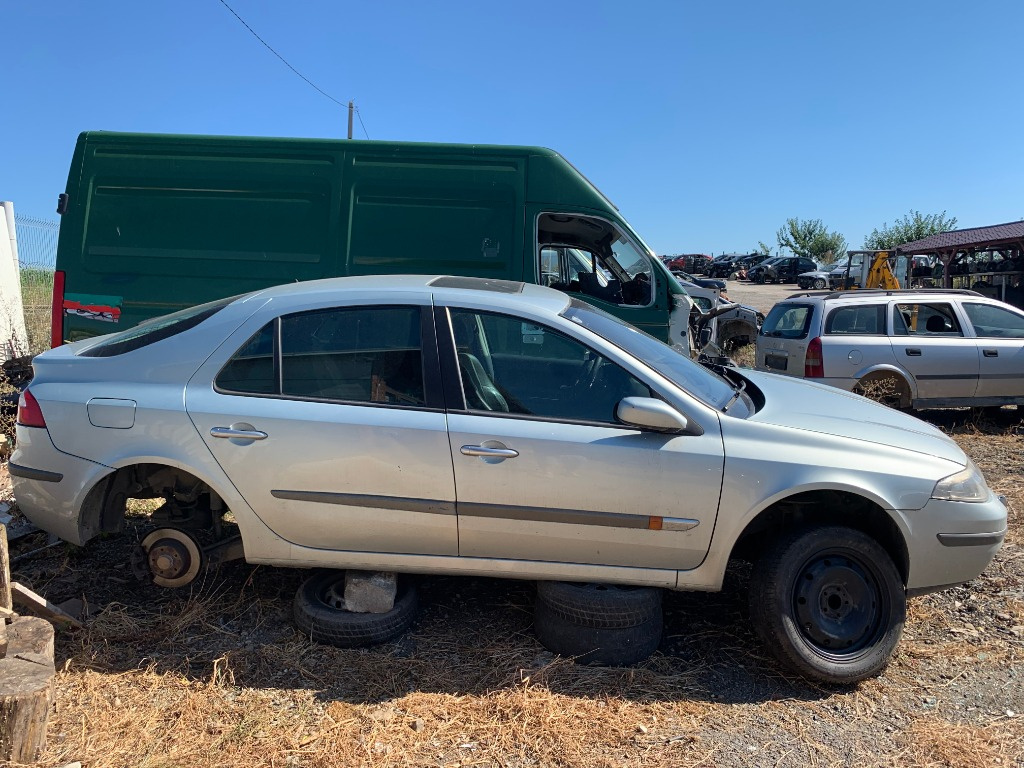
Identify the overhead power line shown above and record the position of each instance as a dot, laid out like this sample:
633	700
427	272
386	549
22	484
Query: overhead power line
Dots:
270	48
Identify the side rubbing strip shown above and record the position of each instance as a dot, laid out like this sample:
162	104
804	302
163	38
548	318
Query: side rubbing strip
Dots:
428	506
547	515
34	474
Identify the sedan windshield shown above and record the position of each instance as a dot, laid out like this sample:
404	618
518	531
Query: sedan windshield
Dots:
673	365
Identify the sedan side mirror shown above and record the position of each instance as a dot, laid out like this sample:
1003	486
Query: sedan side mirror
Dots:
648	413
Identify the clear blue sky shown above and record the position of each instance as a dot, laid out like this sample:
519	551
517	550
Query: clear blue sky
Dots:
707	123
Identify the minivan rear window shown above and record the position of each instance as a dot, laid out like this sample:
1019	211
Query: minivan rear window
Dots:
155	330
788	321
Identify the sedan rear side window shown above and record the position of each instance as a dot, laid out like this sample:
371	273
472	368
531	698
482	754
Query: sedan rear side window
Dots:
155	330
788	321
362	354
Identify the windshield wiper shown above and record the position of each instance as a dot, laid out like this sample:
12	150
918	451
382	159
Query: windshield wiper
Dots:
737	392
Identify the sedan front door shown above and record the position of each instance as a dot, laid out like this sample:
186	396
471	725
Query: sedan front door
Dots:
544	472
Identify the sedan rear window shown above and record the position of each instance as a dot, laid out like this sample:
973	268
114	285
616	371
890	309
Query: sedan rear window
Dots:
154	330
788	321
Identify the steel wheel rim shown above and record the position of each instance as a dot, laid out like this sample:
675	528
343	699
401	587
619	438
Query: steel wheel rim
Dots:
839	605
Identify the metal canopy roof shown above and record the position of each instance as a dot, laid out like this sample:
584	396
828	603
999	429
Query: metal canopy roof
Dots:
976	239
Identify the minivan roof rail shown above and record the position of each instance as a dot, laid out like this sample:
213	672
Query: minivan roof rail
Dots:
885	292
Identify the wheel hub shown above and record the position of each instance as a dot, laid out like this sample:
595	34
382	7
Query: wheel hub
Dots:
837	604
171	557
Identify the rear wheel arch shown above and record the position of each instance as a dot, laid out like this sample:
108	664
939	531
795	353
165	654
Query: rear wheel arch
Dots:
105	505
824	508
886	380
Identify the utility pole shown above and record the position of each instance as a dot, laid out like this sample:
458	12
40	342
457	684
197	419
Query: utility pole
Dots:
351	109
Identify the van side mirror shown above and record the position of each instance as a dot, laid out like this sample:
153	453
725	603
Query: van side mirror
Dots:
648	413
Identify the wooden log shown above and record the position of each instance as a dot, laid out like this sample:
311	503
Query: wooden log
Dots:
5	571
26	689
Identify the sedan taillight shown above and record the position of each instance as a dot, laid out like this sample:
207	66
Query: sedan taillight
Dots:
29	412
814	366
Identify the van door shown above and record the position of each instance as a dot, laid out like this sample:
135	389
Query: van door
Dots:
593	259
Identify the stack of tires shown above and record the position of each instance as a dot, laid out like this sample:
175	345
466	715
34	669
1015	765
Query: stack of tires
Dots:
601	624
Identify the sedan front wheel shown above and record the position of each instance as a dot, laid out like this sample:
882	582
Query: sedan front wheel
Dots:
829	603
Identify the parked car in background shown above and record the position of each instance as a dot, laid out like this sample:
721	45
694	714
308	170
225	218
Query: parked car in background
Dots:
914	348
781	269
830	276
725	266
703	282
694	263
462	425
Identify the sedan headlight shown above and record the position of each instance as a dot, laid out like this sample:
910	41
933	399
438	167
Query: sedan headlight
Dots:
966	485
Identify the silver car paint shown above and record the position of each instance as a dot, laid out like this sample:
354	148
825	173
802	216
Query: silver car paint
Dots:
766	457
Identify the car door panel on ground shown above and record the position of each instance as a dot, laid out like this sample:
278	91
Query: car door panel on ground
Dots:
352	458
928	340
580	488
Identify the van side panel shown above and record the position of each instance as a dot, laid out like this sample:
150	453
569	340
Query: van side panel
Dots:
412	211
165	225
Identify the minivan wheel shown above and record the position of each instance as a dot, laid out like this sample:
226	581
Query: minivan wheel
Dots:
886	388
318	615
819	283
829	603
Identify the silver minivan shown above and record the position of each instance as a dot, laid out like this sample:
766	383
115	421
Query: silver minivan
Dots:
913	348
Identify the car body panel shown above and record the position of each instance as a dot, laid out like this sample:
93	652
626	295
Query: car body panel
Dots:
388	486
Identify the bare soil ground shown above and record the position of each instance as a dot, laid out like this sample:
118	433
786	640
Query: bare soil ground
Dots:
217	675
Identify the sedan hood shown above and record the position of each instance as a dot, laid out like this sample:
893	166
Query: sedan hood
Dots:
805	405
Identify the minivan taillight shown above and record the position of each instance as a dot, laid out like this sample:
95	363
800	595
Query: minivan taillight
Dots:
29	412
57	310
814	366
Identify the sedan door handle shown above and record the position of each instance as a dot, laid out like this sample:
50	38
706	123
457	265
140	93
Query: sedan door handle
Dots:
238	434
990	352
489	453
913	352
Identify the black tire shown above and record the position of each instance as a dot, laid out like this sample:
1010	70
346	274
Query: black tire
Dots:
603	606
604	647
829	603
322	622
819	283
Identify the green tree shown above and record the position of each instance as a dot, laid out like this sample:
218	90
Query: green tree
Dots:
763	248
811	239
911	227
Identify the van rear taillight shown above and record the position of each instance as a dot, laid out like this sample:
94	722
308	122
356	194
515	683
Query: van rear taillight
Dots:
29	412
814	366
57	310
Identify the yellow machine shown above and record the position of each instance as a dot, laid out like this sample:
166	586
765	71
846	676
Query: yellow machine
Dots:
874	270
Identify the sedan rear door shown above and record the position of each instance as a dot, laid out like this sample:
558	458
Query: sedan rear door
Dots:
331	426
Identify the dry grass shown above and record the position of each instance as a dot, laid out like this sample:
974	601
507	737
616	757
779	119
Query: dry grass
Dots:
219	677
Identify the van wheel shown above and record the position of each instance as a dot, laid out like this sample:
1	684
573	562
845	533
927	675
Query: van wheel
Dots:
886	388
829	603
317	613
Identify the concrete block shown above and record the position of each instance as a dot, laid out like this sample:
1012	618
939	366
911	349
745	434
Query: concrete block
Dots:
370	591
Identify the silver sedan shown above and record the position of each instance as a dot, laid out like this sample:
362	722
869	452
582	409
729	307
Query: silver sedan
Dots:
472	426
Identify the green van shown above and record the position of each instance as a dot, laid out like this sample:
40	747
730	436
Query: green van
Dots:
154	223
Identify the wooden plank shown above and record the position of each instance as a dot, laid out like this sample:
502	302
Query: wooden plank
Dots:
5	571
40	605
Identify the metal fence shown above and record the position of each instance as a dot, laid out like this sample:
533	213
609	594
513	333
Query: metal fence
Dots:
37	255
